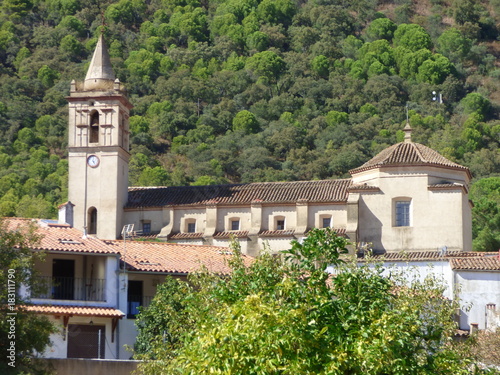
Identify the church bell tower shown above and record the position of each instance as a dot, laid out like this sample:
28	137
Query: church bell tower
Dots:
98	148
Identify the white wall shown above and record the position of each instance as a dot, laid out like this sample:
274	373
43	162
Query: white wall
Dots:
59	341
477	289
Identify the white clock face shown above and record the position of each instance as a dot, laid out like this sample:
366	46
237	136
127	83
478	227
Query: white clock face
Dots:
93	161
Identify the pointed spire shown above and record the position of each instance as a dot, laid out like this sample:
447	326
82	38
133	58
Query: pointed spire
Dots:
100	69
407	129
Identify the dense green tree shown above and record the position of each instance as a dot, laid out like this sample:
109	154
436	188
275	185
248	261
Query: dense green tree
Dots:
266	64
412	36
275	317
485	194
246	122
453	44
380	28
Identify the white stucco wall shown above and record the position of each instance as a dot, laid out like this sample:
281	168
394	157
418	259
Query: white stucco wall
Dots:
269	213
436	215
338	213
477	289
59	340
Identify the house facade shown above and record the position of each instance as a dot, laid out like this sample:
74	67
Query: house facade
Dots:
408	197
92	289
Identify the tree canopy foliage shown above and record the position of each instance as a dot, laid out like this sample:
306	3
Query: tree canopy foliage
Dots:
290	317
243	90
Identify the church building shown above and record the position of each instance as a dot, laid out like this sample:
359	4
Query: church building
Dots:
408	197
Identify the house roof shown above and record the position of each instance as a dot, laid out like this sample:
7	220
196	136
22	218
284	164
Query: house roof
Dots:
484	263
107	312
173	258
59	237
263	192
139	255
408	153
421	256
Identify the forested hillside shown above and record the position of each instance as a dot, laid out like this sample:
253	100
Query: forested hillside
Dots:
254	90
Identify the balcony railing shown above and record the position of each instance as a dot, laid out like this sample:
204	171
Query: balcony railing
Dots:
134	302
70	288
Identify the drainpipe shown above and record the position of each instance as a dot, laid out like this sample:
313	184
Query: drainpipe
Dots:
117	333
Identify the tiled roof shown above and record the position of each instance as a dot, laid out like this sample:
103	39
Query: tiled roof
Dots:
60	237
455	186
431	255
108	312
182	236
487	263
277	233
264	192
408	153
173	258
363	187
235	234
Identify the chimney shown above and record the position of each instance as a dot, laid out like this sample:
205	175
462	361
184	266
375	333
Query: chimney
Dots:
66	213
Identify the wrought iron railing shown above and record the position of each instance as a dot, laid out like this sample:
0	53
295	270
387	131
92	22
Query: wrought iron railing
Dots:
70	288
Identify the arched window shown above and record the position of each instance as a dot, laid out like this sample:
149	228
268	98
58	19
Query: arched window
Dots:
92	221
94	127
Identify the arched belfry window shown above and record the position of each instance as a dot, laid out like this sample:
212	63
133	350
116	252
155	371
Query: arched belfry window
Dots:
94	127
92	221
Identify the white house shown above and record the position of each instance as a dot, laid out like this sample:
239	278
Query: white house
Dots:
92	289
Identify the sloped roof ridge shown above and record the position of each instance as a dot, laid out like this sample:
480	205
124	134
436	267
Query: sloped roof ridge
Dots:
246	184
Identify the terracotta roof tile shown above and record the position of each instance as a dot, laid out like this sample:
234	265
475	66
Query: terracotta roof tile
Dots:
277	233
431	255
363	187
408	153
75	310
182	236
236	234
487	263
265	192
455	186
173	258
60	237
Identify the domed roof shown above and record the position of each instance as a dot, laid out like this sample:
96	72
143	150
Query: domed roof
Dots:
408	153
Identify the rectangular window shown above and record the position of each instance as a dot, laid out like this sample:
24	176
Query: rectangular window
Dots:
134	297
403	213
327	222
235	225
280	224
146	227
191	228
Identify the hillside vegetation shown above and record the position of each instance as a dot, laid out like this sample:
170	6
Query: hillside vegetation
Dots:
229	91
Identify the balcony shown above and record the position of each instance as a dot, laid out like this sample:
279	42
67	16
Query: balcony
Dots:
70	288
